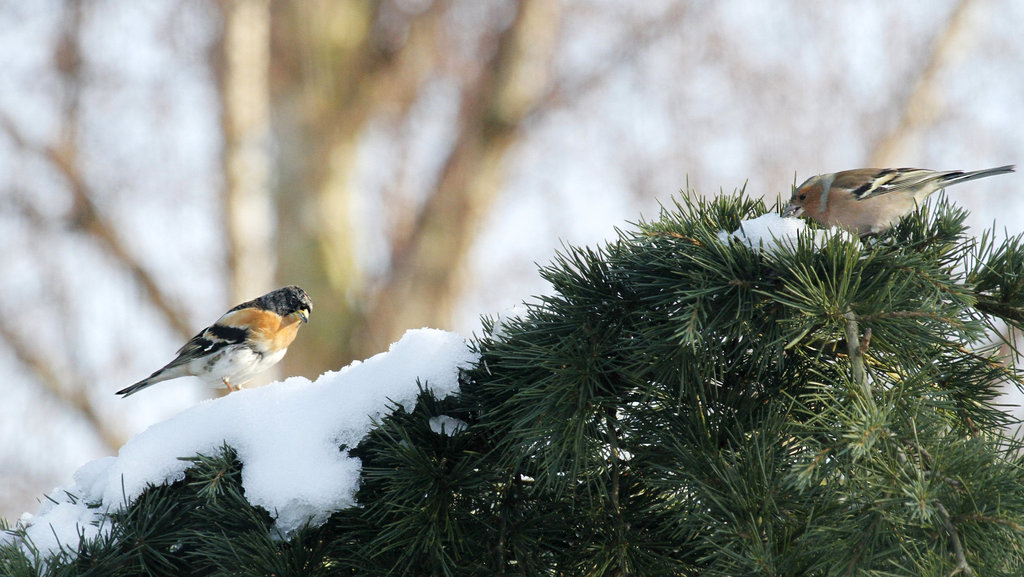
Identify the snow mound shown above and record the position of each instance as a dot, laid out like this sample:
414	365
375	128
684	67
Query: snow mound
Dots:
770	230
287	436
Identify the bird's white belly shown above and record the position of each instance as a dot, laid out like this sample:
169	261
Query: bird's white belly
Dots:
237	364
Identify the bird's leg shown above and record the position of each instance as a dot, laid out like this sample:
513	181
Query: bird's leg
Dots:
227	384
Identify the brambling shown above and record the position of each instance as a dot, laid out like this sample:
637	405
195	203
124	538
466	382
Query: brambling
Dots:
872	200
246	341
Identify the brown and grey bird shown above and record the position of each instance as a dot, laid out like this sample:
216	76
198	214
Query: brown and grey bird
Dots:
247	340
872	200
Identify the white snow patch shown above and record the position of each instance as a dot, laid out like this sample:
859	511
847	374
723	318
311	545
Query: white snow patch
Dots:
446	425
68	520
504	319
770	230
287	436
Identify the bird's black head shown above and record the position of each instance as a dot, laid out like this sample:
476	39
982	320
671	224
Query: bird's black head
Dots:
290	300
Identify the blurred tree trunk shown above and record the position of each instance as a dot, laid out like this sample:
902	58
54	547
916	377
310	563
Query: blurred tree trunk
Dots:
321	52
352	71
245	119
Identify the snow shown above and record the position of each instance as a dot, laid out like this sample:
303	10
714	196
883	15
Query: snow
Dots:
446	425
505	320
287	436
772	230
67	521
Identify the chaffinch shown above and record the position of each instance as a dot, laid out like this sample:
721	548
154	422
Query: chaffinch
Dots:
246	341
872	200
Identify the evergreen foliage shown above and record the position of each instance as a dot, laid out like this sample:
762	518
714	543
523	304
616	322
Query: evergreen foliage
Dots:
678	405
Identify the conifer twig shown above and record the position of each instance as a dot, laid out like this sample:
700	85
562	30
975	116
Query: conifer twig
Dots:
947	522
856	353
954	538
613	442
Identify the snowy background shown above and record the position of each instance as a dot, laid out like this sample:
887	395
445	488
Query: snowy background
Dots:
111	114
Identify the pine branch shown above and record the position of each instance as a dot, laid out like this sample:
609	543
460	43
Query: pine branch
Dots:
855	351
924	467
1010	313
616	490
647	418
954	538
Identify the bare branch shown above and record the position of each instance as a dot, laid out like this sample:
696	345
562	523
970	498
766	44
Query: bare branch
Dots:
639	37
426	268
93	222
90	220
921	107
68	391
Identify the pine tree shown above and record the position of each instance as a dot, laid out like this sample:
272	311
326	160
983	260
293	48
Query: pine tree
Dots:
679	405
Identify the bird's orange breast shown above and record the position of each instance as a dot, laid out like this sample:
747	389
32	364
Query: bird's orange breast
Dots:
266	328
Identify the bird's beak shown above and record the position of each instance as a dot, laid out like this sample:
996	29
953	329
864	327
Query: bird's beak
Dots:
792	210
302	315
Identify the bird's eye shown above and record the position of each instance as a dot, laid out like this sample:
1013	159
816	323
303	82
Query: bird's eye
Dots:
803	196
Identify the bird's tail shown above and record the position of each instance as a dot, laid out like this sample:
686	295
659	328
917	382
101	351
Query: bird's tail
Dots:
958	177
157	377
136	387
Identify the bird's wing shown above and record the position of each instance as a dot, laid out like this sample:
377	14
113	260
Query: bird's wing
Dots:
212	339
898	179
